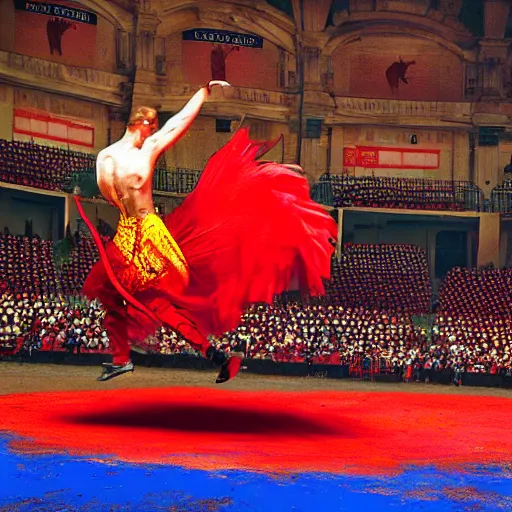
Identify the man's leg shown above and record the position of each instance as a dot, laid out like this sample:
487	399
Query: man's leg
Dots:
116	326
230	364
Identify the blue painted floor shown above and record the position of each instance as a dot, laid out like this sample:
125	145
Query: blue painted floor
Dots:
62	483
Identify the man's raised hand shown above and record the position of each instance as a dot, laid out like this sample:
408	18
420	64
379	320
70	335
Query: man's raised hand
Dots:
221	83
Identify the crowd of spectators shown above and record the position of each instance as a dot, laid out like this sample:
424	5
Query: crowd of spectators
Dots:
50	323
291	332
28	264
372	301
344	190
474	318
492	287
384	277
45	167
74	271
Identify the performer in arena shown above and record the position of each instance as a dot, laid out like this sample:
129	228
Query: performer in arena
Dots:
240	237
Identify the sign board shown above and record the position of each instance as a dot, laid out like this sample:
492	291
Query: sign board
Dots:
214	36
391	158
58	11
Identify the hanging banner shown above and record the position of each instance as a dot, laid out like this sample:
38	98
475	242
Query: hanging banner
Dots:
61	11
211	35
58	32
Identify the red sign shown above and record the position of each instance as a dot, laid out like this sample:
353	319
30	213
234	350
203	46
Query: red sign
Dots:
45	126
391	158
350	157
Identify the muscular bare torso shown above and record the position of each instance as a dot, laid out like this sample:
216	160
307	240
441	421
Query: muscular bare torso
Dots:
125	169
125	177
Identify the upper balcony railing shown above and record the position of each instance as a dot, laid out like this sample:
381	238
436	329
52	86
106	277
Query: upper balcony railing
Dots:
88	83
342	191
404	112
50	168
501	198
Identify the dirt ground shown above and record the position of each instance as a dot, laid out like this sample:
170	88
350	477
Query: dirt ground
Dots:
30	378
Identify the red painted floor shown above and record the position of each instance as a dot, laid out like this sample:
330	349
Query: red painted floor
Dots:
349	432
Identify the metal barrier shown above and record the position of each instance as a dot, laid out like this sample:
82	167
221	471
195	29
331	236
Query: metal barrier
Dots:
177	180
59	169
413	193
501	198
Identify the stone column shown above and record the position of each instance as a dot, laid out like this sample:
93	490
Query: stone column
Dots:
489	239
495	18
493	58
117	123
487	168
146	34
461	155
311	62
124	53
336	162
493	49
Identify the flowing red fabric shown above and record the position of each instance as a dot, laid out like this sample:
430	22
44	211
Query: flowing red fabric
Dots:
246	231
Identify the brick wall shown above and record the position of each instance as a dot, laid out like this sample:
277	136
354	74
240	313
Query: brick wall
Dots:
360	69
249	67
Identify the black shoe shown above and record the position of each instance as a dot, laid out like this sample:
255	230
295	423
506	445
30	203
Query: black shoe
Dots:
229	369
113	370
230	364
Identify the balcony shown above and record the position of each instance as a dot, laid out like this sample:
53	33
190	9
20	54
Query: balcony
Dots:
85	83
403	112
343	191
229	102
176	181
60	170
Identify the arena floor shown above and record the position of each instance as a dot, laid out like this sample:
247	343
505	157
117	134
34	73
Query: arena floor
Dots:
162	439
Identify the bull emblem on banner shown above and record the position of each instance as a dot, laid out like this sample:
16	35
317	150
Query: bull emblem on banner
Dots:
396	72
55	29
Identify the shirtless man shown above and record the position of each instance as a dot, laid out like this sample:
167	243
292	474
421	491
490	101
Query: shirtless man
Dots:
125	179
222	250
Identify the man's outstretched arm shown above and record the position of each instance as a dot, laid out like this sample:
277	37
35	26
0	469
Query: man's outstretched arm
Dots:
177	126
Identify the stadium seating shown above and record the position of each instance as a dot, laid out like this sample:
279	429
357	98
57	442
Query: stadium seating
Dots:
384	277
342	190
37	166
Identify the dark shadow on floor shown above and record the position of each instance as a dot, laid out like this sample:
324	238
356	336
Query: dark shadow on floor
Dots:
209	418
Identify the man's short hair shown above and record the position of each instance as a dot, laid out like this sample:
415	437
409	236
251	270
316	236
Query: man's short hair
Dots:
142	115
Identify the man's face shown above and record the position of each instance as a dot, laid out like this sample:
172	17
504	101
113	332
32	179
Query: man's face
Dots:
148	127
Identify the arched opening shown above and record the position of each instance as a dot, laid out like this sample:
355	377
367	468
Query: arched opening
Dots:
394	66
71	34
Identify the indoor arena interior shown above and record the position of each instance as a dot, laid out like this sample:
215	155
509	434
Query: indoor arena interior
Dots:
255	255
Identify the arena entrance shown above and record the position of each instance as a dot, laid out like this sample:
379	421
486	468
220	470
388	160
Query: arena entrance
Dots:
449	240
30	214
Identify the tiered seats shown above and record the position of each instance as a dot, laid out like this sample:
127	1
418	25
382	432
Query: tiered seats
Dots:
474	320
50	168
323	334
74	272
319	333
179	180
38	166
50	324
477	293
384	192
27	264
383	277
